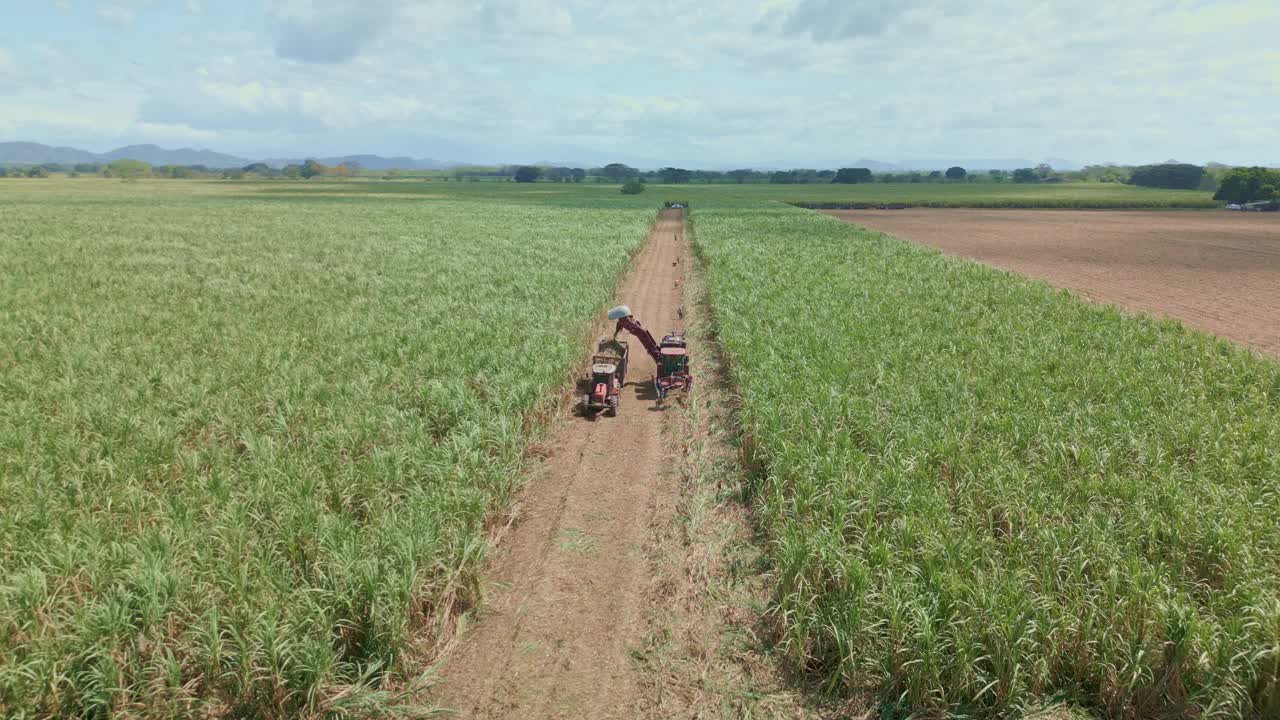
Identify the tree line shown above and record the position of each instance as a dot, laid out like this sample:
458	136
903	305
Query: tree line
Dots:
1251	184
130	169
1230	184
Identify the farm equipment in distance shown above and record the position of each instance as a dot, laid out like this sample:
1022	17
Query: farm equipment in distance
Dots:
671	356
608	375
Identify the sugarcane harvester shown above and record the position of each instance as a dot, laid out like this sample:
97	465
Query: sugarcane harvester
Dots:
671	356
609	364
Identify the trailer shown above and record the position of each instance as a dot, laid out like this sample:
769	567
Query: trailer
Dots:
608	377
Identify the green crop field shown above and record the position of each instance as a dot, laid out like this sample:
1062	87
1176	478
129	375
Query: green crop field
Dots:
984	496
989	195
981	195
248	444
251	433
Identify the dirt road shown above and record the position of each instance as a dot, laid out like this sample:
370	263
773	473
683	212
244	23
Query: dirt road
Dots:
564	603
1217	271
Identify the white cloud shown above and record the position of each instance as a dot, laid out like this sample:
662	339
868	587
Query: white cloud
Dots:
838	19
177	134
803	81
117	15
541	17
241	96
46	53
99	110
328	31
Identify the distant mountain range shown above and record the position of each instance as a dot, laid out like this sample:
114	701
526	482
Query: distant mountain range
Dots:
369	162
29	153
966	163
919	164
35	154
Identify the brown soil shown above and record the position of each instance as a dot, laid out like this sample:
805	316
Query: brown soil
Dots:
709	649
564	605
1217	271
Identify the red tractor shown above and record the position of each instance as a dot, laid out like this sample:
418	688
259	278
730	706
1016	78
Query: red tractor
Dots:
671	356
608	375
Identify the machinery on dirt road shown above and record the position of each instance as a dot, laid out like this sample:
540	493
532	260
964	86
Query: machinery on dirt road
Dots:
609	365
671	356
608	375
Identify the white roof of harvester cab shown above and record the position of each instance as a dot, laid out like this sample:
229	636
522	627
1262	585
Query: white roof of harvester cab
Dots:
603	368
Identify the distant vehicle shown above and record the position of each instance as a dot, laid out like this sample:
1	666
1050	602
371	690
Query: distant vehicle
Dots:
1234	206
677	206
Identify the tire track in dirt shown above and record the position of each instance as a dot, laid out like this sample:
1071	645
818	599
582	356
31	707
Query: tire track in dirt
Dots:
565	596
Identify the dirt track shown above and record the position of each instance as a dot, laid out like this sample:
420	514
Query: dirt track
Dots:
1217	271
564	602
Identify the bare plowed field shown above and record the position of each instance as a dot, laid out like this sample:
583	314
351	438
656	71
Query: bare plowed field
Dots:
1217	271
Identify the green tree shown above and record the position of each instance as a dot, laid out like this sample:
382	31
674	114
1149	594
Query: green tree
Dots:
174	171
675	176
128	169
558	174
1025	175
852	176
618	172
311	168
1169	176
957	173
1106	173
632	187
527	173
1242	185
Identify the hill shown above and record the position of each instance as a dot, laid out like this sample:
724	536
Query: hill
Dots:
368	162
30	153
182	156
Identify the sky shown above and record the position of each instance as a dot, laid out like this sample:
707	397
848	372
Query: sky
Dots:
805	83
